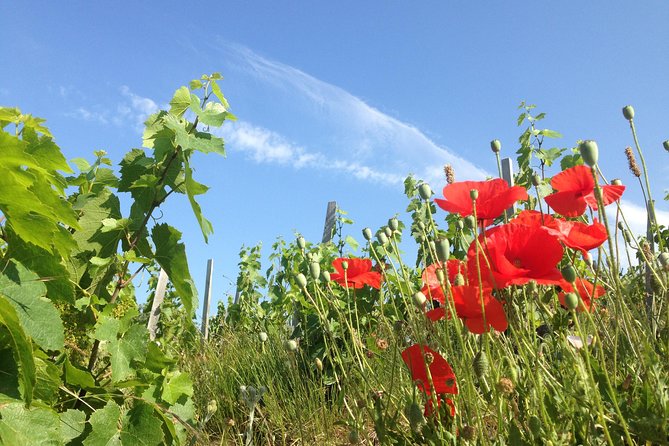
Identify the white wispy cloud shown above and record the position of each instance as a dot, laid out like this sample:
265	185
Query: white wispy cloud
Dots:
265	146
131	109
338	130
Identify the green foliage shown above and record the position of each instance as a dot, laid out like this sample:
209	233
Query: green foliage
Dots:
75	356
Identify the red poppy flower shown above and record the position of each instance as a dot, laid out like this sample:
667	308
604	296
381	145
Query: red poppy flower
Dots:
573	234
576	190
358	274
514	255
432	286
494	197
443	378
467	303
586	290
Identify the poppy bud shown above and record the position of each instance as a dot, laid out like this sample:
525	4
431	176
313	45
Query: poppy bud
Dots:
319	364
571	300
621	226
419	299
440	275
666	145
315	270
212	407
382	238
263	336
301	242
627	236
393	224
301	280
425	191
481	364
421	225
367	233
388	231
628	112
459	280
589	152
536	180
443	249
470	222
617	182
495	145
569	274
460	224
664	260
325	275
344	265
290	345
474	194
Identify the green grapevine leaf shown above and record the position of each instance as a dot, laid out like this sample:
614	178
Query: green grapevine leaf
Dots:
171	256
105	426
176	384
39	317
20	426
180	102
22	347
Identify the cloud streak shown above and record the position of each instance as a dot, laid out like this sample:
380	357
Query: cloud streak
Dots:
329	127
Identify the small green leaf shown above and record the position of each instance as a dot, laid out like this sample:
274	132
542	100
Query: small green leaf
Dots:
177	384
180	102
105	426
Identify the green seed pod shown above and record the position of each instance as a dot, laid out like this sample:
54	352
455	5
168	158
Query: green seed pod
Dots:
571	300
460	224
301	243
666	145
628	112
388	231
263	336
441	277
495	145
474	194
344	265
536	180
290	345
319	364
481	364
394	224
382	238
367	233
425	191
459	280
419	299
414	414
421	225
212	407
301	280
621	226
470	222
325	275
617	182
589	152
443	249
315	270
569	273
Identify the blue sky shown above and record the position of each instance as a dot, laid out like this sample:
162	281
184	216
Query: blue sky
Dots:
340	100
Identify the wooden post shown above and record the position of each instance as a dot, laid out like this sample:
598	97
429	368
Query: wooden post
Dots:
507	175
207	299
158	298
330	219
